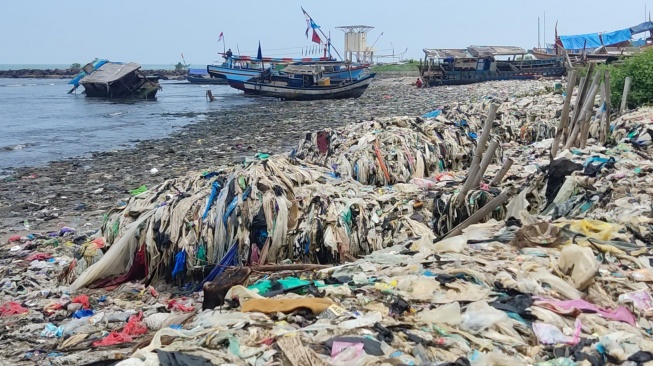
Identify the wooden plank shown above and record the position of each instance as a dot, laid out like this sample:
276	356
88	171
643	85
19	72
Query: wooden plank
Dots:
624	95
608	108
564	119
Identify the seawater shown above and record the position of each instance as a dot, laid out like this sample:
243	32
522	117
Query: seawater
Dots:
40	122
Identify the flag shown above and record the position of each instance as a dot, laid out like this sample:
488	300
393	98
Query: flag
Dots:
310	24
316	37
221	37
259	55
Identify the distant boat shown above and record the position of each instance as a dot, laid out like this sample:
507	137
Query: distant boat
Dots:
305	82
238	69
106	79
201	76
479	63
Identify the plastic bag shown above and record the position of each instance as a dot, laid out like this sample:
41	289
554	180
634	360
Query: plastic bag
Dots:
183	304
82	314
455	245
480	316
135	326
580	264
12	308
82	299
448	314
550	334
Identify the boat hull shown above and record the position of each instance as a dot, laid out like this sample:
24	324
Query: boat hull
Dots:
344	91
465	78
206	80
237	76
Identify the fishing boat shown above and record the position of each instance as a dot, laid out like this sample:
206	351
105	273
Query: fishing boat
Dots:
237	69
201	76
106	79
305	82
477	64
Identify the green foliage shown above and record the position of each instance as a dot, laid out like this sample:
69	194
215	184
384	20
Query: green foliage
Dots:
180	66
76	66
640	69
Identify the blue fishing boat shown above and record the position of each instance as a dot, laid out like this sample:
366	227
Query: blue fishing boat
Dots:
238	69
305	82
482	63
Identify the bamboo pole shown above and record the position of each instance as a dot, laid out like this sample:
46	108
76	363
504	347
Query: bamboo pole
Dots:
473	169
580	123
602	115
504	169
587	116
624	95
608	105
564	119
487	158
481	213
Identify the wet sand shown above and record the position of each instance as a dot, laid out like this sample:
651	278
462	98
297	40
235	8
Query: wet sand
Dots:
77	192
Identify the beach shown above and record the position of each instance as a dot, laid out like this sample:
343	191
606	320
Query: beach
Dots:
77	192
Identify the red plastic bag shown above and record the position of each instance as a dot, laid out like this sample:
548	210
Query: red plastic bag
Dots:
14	238
82	299
182	304
52	308
134	327
12	308
113	338
38	257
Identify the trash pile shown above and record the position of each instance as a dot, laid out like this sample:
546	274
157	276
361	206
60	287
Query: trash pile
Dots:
513	258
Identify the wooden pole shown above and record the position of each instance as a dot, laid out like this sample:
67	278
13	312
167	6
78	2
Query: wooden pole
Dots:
487	158
564	119
602	116
586	117
579	115
481	213
473	169
624	96
504	169
608	106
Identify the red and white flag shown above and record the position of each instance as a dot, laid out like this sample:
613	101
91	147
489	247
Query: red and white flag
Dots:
220	37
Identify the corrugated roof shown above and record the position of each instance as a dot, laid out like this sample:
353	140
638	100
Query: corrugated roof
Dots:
110	71
445	53
479	51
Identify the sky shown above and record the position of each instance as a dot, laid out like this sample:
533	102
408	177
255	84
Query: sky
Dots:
158	31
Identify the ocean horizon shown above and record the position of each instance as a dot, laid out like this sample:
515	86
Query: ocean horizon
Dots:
65	66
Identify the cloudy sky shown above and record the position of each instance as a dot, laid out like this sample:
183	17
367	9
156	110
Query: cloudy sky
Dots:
157	31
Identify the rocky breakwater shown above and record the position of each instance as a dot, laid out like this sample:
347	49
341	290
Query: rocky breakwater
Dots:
71	72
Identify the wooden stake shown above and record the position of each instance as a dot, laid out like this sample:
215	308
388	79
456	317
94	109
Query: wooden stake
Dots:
564	119
473	169
487	158
624	96
209	96
587	115
608	105
481	213
504	169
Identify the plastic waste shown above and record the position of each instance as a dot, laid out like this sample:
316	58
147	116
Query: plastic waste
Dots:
447	314
480	316
455	244
580	264
82	299
550	334
83	313
12	308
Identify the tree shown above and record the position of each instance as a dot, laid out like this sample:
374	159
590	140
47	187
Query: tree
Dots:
76	66
180	66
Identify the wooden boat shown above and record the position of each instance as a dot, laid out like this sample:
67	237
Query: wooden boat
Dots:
238	69
116	80
201	76
305	82
479	63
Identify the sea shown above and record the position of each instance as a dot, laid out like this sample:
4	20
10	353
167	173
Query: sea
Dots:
40	122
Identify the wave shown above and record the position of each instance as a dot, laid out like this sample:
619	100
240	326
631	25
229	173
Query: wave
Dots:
18	146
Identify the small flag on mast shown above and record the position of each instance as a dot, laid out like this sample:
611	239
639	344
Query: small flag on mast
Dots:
310	24
220	37
316	37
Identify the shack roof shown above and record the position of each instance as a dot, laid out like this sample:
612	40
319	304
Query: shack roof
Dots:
111	71
446	52
302	69
479	51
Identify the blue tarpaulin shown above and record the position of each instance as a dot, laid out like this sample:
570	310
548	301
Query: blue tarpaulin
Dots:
638	43
643	27
580	41
615	37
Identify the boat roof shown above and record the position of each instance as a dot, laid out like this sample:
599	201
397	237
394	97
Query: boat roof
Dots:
446	53
302	69
474	51
480	51
110	71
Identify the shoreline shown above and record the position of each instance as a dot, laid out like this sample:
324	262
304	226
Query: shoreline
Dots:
76	192
71	73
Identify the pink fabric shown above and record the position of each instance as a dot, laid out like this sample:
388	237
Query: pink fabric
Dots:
621	314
